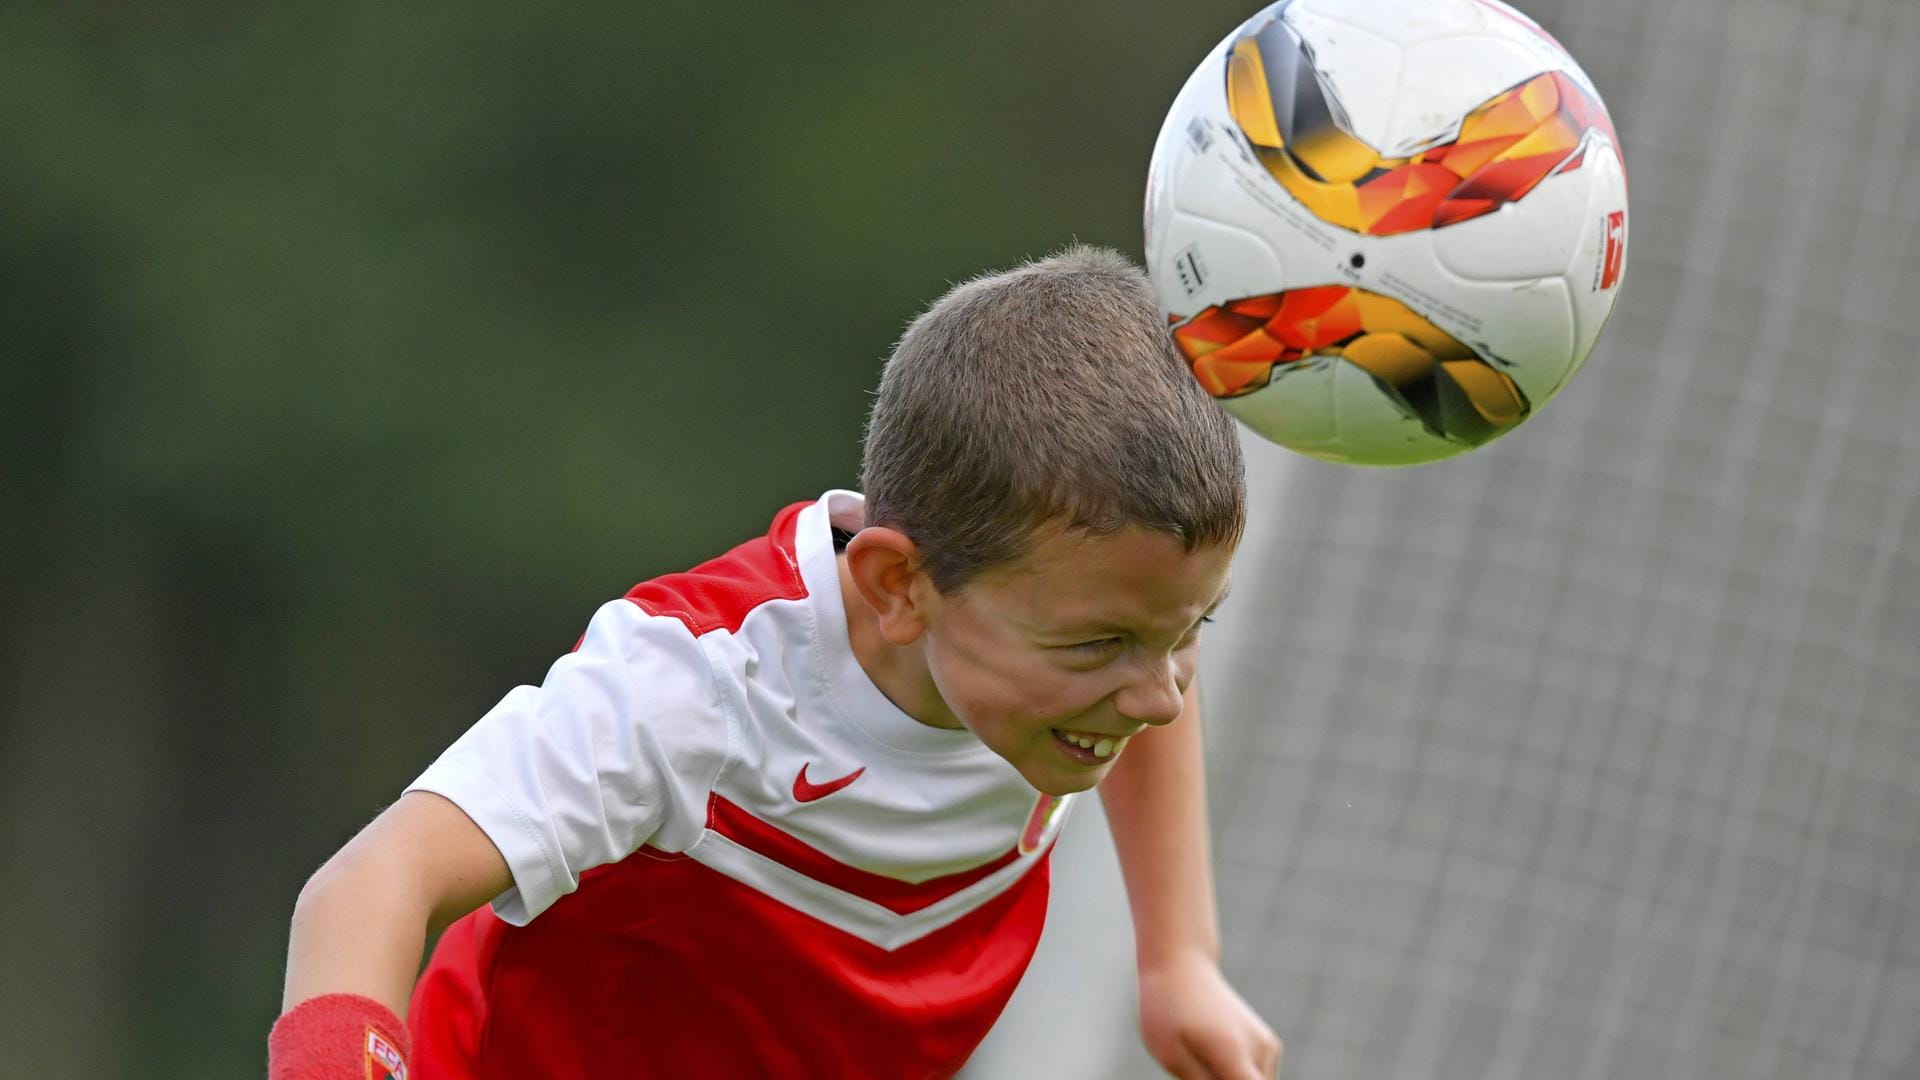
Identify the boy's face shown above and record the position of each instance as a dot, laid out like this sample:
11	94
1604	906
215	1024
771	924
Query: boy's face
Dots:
1084	640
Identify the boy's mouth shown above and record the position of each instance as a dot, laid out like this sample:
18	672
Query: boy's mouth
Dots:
1086	747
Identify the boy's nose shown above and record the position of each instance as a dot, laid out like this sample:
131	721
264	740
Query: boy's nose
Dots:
1155	696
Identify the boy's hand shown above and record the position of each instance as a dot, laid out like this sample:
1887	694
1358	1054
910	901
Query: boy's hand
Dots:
1197	1028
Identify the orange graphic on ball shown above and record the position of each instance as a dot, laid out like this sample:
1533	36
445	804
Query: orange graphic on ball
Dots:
1506	146
1243	345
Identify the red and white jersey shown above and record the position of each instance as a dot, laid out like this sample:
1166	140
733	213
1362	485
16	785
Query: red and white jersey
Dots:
731	854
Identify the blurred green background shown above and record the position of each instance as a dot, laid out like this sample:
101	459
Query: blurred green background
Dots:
354	353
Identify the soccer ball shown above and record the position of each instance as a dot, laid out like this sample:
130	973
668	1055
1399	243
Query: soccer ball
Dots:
1386	231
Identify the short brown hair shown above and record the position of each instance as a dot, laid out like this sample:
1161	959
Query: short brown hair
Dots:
1046	394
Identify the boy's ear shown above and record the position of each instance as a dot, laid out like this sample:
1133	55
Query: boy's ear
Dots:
885	566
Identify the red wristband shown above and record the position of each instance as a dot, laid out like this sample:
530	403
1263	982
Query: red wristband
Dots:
338	1037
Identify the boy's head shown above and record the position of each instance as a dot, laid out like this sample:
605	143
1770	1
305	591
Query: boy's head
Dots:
1052	505
1048	395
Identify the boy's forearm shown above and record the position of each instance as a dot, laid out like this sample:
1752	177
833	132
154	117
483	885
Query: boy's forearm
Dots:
362	922
352	936
1156	803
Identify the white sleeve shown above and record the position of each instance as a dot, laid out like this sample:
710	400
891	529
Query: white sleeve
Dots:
620	743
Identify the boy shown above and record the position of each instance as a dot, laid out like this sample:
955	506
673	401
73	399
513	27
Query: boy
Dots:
788	814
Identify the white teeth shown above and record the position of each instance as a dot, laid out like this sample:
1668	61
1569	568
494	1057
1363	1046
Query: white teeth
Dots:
1100	746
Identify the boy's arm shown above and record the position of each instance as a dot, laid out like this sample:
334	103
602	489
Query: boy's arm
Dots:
358	930
362	921
1155	798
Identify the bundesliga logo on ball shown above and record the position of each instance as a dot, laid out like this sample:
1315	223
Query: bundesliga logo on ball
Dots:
1386	231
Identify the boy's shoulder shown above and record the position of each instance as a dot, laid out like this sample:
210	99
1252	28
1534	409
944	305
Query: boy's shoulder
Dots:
722	592
752	639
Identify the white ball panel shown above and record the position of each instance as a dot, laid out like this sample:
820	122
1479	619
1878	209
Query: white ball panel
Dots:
1395	21
1374	430
1532	238
1407	75
1529	326
1357	66
1332	410
1503	18
1607	194
1447	78
1232	262
1295	409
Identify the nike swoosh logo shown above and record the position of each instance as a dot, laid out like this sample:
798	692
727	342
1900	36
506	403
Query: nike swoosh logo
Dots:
805	790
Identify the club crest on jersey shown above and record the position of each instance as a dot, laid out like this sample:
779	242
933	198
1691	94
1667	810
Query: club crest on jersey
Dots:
383	1060
1048	812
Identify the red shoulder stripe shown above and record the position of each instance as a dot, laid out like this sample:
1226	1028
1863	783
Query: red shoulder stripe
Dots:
719	593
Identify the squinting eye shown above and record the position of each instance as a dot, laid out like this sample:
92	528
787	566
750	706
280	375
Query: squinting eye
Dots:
1101	645
1193	635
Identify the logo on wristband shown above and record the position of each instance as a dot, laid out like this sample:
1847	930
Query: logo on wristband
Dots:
383	1061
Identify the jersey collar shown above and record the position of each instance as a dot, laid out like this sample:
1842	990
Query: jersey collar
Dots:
854	695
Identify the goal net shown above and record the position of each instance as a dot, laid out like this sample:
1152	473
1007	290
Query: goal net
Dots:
1596	753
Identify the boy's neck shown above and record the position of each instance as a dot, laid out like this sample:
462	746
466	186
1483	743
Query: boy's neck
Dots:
899	671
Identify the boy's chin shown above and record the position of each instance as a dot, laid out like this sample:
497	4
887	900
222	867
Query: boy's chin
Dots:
1058	781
